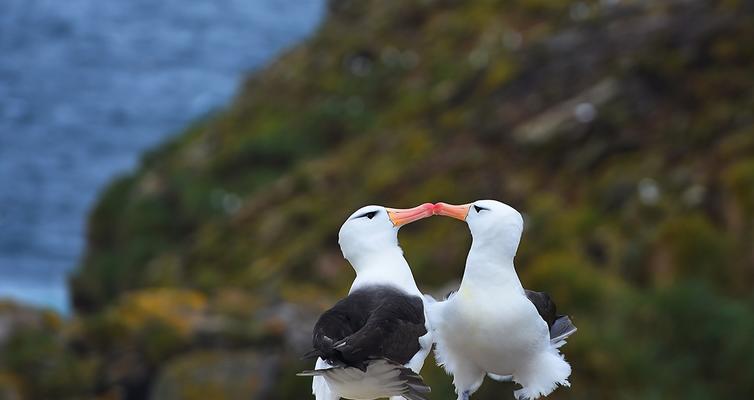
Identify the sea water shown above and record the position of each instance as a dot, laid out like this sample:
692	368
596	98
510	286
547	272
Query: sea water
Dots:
86	86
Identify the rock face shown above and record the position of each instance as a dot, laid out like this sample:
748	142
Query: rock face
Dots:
623	130
220	375
9	388
14	318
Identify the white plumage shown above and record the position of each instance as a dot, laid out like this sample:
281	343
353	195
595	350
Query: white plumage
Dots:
489	326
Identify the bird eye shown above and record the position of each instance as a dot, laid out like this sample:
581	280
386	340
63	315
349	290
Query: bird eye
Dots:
369	215
479	209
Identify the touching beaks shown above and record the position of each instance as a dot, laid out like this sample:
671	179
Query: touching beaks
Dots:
451	210
403	216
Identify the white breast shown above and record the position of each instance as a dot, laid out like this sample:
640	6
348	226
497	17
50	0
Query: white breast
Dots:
493	329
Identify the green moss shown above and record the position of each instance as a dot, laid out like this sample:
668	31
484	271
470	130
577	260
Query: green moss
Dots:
696	249
45	367
10	387
570	280
215	375
740	178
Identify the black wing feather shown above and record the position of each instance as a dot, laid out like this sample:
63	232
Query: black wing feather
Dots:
378	322
545	306
560	326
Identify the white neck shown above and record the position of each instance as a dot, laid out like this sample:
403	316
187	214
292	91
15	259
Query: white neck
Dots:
489	268
387	267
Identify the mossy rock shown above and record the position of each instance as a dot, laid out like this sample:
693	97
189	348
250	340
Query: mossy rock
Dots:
691	247
220	375
179	309
45	366
10	388
740	178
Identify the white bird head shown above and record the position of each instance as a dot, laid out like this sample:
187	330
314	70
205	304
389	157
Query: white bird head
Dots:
373	230
494	225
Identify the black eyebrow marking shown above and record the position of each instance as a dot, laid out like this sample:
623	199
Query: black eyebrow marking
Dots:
369	214
478	208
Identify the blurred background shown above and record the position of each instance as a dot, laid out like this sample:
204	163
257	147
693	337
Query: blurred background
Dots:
173	176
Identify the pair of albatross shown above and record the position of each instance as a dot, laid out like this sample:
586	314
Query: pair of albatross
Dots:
372	344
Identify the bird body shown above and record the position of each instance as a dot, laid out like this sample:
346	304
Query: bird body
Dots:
387	341
372	344
478	324
391	270
491	325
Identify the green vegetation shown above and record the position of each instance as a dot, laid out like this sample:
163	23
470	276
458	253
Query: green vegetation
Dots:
624	132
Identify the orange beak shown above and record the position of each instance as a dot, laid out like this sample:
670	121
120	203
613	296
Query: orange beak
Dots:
403	216
450	210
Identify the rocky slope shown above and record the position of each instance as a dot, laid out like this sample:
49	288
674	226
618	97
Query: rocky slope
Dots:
623	130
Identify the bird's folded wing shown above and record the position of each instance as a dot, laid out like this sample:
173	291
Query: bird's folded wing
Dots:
392	331
340	321
544	304
560	326
561	330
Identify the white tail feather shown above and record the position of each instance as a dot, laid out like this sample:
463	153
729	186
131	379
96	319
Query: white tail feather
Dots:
320	389
382	378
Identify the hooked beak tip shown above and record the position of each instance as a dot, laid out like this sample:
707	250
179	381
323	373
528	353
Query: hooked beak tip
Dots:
449	210
400	217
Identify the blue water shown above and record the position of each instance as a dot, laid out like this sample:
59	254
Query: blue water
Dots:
86	86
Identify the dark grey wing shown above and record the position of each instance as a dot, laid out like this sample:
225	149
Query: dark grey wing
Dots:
368	337
372	323
544	304
560	326
391	332
342	320
561	330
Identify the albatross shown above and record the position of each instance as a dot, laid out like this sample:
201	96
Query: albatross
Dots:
372	344
493	326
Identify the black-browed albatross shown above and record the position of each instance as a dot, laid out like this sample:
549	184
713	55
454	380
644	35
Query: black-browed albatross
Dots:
492	325
372	344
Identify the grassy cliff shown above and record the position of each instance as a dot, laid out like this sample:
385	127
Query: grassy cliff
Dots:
623	130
